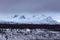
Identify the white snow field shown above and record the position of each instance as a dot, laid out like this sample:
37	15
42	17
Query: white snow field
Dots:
29	34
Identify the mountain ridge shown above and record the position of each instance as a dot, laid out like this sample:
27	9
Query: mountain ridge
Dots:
42	19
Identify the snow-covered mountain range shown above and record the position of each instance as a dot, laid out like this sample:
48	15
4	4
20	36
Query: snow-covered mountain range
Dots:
49	20
30	19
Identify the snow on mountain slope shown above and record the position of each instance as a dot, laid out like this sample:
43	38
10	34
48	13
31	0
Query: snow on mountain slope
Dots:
29	19
34	19
49	20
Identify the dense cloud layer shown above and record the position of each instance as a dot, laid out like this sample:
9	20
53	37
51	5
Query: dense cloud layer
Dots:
17	6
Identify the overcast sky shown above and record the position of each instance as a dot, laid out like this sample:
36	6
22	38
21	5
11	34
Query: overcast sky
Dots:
31	6
18	6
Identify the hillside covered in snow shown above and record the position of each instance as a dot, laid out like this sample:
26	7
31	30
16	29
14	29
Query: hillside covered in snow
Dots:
28	19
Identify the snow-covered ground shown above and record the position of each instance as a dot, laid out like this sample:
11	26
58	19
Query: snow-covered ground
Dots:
28	34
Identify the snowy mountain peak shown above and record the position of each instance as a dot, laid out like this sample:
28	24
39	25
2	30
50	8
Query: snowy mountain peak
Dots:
35	19
49	20
30	19
22	17
15	16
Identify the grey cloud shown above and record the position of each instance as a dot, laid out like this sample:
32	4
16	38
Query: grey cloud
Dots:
17	6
